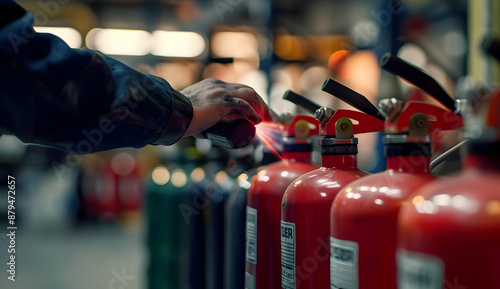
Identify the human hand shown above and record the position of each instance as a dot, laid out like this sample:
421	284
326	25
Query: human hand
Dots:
214	100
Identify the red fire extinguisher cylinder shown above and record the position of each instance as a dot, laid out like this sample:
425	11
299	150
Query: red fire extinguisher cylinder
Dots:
306	204
264	203
364	214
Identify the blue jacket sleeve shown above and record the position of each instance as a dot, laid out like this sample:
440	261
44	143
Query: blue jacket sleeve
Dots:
79	100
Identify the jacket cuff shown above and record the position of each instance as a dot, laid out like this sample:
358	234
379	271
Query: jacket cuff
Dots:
177	124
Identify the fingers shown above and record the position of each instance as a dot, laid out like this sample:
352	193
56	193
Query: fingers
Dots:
253	98
214	100
239	108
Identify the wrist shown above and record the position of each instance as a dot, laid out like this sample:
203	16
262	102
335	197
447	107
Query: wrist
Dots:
178	121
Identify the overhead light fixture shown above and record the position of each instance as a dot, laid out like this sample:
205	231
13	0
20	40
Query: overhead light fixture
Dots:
140	42
70	35
119	41
234	44
177	43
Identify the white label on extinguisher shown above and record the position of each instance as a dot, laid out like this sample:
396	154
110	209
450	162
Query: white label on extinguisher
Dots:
249	281
219	140
343	264
251	236
287	255
419	271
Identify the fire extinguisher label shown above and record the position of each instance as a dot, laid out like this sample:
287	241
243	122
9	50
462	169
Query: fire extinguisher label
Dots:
343	264
249	281
219	140
419	271
251	235
287	255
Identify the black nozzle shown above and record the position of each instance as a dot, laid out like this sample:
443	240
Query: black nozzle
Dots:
231	134
491	46
221	60
351	97
301	101
417	77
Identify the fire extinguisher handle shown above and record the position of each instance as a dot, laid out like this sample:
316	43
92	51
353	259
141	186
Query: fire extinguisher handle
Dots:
231	134
351	97
417	77
302	101
491	46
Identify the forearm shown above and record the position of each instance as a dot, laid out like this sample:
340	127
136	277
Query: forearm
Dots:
78	100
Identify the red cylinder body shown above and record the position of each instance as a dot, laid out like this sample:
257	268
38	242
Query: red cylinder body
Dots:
449	233
108	196
92	185
363	223
304	222
129	191
263	218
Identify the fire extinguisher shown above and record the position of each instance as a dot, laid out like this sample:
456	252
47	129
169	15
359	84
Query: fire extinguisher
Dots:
233	134
234	232
364	213
107	198
214	226
128	184
449	232
305	252
235	219
195	213
92	185
169	212
164	223
264	202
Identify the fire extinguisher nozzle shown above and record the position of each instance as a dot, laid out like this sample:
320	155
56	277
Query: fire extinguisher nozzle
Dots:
231	135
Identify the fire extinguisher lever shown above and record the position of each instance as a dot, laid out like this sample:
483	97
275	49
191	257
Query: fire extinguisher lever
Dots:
364	123
322	114
417	77
352	97
301	101
328	117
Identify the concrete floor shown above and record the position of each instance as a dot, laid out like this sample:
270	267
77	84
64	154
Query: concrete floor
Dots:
84	258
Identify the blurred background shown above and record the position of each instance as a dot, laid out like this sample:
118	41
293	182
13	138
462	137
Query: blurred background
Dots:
84	221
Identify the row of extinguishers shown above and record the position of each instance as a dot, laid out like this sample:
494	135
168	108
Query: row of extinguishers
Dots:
196	213
195	216
402	228
109	187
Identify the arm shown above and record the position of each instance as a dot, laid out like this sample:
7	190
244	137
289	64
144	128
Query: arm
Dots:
79	100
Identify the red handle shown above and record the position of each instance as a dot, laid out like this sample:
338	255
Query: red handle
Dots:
439	118
302	126
362	122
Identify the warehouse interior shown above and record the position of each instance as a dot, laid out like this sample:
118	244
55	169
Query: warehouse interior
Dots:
126	218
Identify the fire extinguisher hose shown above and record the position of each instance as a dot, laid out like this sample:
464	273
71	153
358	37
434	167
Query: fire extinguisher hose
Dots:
442	157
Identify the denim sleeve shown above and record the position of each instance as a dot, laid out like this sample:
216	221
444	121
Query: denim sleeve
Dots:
78	100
